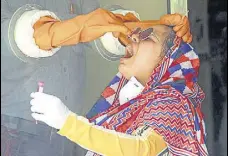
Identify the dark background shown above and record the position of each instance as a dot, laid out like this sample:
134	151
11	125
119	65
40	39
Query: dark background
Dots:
208	20
217	11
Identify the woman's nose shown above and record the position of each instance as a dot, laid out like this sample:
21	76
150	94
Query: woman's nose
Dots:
135	38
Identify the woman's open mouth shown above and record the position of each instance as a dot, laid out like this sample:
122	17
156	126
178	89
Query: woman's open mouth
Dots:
128	52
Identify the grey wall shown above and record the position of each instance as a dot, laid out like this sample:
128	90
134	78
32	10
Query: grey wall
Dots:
148	9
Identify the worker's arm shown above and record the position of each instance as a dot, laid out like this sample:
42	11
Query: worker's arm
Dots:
52	111
109	142
49	33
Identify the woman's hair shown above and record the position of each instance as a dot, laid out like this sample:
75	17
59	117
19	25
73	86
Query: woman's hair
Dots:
168	42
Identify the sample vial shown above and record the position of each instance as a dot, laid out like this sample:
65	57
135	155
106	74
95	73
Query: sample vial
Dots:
40	87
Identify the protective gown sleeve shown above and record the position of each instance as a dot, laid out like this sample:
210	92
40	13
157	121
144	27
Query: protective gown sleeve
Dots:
109	142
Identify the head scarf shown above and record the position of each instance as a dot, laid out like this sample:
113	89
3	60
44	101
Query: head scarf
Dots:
170	103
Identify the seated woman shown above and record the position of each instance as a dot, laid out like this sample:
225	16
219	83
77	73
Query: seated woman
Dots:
150	108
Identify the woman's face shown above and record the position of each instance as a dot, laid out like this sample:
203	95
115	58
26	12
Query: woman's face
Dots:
142	56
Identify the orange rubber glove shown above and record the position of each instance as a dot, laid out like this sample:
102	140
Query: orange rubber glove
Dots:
50	33
180	25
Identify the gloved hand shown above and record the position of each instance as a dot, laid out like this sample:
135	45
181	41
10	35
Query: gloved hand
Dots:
180	25
179	22
49	109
